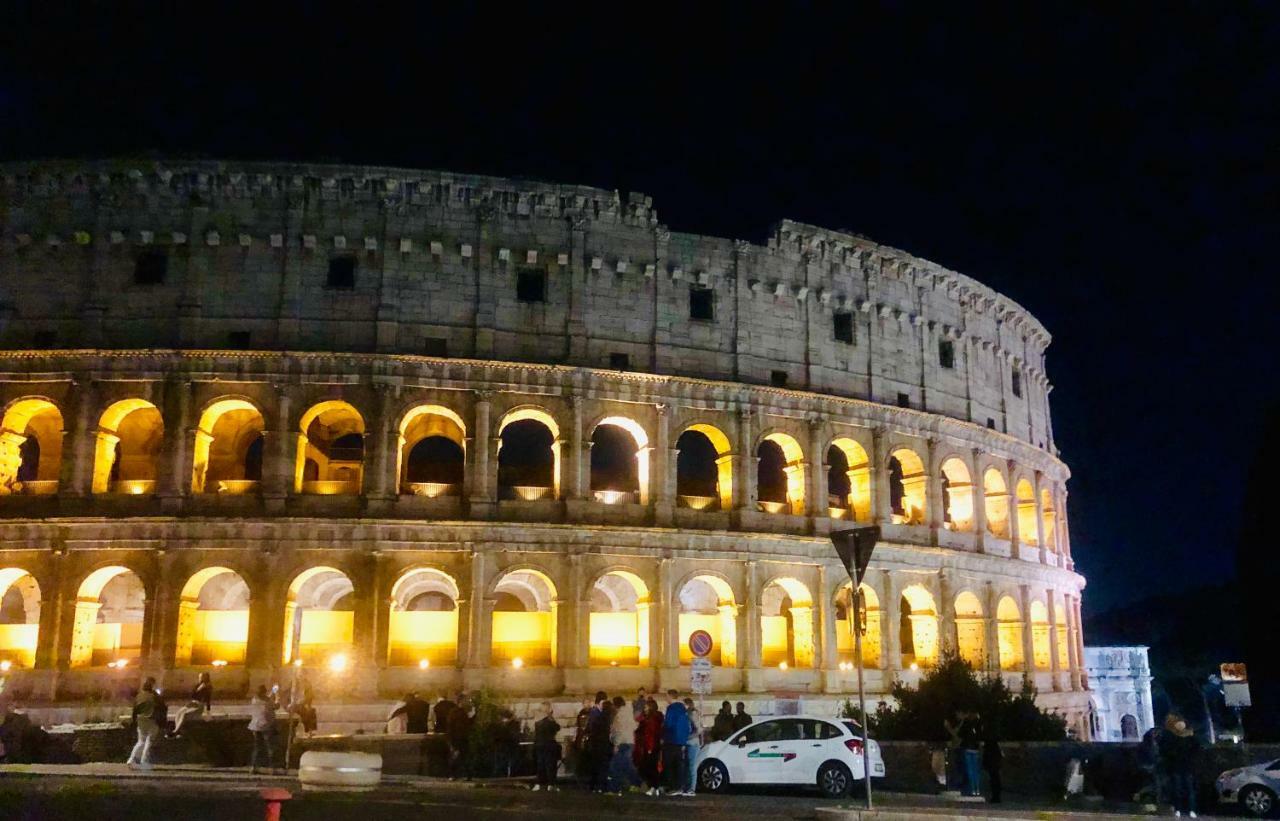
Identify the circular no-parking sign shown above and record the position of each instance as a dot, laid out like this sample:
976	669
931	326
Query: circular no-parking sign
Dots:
700	643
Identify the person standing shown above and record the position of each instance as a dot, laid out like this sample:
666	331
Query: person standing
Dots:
262	723
992	760
302	701
599	749
675	735
201	702
146	707
742	718
722	727
971	754
648	747
638	704
622	735
442	710
692	746
546	749
1179	754
416	713
460	720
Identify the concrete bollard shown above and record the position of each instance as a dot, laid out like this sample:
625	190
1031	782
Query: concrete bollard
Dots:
339	770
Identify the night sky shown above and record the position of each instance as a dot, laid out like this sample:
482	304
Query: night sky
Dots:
1114	175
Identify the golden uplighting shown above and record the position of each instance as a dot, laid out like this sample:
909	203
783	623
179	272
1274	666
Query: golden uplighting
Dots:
424	664
297	662
782	665
610	497
219	662
5	665
915	666
118	664
517	663
337	663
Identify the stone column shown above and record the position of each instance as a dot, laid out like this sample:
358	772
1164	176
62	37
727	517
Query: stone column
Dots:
1011	504
380	651
1074	662
364	599
948	640
264	649
662	470
881	505
1028	631
1064	535
180	462
825	634
484	467
991	607
1079	643
933	488
577	482
890	640
979	504
1039	508
577	641
668	649
754	656
279	459
75	474
745	487
817	476
384	458
1051	599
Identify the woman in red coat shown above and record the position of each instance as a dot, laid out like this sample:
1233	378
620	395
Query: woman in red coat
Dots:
648	749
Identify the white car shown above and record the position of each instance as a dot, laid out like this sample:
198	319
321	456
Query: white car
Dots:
821	752
1255	788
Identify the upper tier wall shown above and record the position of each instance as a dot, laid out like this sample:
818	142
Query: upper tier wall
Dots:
437	256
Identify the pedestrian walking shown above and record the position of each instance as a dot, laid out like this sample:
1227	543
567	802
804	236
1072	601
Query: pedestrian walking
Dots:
598	745
146	709
992	760
693	746
648	749
1179	754
722	727
262	723
201	702
742	718
459	733
675	735
546	749
622	735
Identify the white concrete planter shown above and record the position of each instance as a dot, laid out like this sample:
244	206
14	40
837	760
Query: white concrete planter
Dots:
339	770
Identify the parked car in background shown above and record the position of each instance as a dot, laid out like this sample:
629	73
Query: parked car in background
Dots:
1254	788
800	750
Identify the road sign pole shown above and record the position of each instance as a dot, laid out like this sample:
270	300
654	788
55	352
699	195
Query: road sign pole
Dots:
862	698
855	547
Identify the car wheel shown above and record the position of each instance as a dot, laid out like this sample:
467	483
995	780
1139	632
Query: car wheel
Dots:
713	777
1257	801
834	779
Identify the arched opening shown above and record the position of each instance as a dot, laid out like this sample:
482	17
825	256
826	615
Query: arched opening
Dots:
704	469
213	618
332	438
228	448
1026	513
618	634
1009	628
130	434
971	630
786	624
424	619
1128	727
19	617
619	462
30	447
432	452
1050	520
528	456
707	603
997	497
849	480
918	628
780	475
871	625
524	620
107	628
1040	643
319	622
957	496
907	482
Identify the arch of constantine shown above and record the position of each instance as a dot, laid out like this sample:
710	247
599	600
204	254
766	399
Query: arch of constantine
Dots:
417	429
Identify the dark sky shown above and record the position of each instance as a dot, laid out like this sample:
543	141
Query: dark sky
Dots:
1114	175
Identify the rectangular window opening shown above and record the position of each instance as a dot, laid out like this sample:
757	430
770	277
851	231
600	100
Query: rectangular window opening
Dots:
946	353
620	361
904	400
435	346
238	340
43	340
531	285
1016	382
702	304
150	268
342	273
778	379
843	327
991	423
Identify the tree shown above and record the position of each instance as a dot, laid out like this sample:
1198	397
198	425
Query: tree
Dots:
952	686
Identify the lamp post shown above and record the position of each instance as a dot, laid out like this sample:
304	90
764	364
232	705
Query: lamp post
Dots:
854	548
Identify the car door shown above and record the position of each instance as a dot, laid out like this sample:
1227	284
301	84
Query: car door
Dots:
751	755
803	743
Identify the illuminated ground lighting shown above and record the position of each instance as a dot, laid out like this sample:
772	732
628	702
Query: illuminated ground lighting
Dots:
338	663
613	663
5	665
118	664
782	665
517	663
297	662
915	666
424	664
610	497
219	663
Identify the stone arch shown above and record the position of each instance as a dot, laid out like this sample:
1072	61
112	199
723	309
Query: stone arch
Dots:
957	495
971	629
786	624
525	609
996	494
110	611
127	448
424	619
227	434
19	616
1040	641
319	622
529	458
780	474
618	631
872	621
31	446
907	487
1009	630
330	437
213	618
701	485
1026	499
918	627
616	475
431	451
707	602
1050	515
856	477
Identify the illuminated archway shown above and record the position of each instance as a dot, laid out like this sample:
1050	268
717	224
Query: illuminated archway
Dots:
228	448
130	435
431	452
707	603
618	634
918	627
1026	513
997	499
849	477
786	624
213	618
30	447
971	630
330	457
19	616
1050	520
528	455
1040	642
957	496
704	468
319	621
780	475
619	461
907	482
109	611
1009	619
872	640
524	619
424	619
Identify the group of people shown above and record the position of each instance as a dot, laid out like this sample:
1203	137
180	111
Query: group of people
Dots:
1170	755
972	747
454	718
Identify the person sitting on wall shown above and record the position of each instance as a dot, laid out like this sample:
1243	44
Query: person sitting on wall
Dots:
201	702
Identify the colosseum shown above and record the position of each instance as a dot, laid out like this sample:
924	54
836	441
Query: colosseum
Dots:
414	429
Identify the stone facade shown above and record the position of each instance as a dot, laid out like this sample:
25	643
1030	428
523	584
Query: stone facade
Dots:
1120	679
378	307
